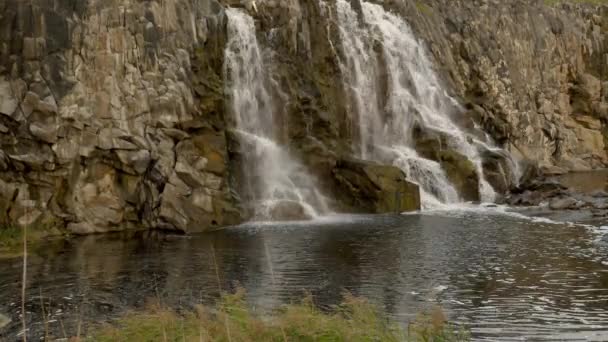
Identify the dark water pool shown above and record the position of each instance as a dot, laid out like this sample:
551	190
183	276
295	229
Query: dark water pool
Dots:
504	277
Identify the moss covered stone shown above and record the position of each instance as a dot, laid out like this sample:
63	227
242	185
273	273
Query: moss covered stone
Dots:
375	188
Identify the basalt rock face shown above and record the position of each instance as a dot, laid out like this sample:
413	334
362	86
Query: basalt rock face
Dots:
531	75
111	115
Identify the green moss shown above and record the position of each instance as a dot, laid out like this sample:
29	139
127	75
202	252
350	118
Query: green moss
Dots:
11	238
423	8
354	320
461	172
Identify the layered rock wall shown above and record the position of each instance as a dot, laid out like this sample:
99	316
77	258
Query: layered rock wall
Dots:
111	115
531	75
112	112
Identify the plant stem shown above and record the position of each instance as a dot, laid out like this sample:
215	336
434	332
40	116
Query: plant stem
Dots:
23	284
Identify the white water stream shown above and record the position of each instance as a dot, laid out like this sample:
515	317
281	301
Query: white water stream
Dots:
393	88
278	186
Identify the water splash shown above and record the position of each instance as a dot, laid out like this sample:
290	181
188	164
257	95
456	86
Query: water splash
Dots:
278	187
435	188
393	90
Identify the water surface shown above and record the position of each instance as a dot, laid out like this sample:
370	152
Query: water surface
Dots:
502	276
585	181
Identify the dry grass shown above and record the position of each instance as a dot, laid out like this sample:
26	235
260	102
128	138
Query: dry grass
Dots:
24	284
594	2
354	320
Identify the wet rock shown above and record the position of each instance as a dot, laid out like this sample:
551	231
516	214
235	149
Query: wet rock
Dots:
497	171
375	188
546	187
172	213
288	211
536	192
84	228
461	172
564	203
599	194
600	213
529	172
599	203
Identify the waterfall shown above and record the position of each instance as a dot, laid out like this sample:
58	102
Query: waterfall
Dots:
393	90
277	186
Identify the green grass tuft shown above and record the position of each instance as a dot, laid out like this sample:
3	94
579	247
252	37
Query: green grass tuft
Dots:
354	320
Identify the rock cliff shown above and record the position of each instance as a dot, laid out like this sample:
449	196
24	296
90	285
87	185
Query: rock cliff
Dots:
533	75
112	113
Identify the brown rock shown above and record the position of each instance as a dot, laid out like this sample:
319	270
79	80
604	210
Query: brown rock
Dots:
375	188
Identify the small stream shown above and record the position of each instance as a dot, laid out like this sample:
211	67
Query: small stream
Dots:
502	276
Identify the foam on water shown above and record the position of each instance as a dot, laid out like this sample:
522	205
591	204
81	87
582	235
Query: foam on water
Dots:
460	209
466	209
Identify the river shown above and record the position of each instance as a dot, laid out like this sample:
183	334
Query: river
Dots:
500	275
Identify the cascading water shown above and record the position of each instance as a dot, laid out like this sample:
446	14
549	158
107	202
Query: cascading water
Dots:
395	90
278	187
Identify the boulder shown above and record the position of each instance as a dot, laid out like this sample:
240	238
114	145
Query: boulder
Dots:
599	203
461	172
374	188
8	103
563	203
138	161
287	211
599	194
497	171
586	91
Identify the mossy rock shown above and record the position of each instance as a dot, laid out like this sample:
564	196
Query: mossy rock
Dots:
374	188
497	171
462	173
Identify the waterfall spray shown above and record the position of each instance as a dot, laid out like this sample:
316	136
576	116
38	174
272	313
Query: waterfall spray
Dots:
278	186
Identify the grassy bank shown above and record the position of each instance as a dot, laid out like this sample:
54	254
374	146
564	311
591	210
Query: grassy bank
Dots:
11	239
354	320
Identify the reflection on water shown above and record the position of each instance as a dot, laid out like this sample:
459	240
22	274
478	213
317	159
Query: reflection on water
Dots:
587	181
499	275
